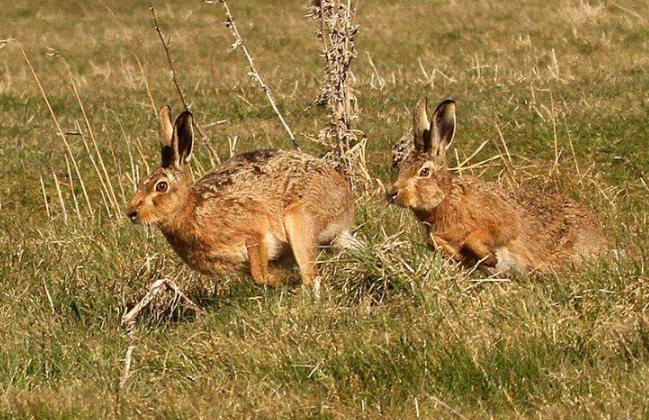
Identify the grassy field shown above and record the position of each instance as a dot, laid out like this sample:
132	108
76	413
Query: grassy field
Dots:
398	332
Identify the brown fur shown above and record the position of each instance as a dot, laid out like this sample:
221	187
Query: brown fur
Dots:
474	220
255	208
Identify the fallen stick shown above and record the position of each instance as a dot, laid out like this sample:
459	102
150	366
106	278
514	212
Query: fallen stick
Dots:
128	320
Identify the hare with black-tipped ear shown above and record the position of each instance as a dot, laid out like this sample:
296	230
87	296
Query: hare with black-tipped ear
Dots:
256	207
476	221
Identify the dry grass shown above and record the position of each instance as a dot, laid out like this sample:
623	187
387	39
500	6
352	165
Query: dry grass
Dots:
557	92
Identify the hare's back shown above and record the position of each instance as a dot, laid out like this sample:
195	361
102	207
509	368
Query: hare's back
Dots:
272	174
574	232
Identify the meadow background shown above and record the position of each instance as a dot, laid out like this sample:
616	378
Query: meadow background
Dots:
398	332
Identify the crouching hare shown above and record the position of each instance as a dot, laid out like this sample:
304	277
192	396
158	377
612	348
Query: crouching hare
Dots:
256	207
474	220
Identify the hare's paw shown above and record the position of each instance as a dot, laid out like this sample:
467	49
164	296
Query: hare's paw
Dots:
437	243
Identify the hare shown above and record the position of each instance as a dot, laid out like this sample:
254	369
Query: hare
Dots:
256	207
474	220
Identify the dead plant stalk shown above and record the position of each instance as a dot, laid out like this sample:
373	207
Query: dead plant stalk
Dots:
337	32
238	43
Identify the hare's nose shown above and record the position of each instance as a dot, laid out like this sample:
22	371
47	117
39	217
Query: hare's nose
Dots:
391	195
132	215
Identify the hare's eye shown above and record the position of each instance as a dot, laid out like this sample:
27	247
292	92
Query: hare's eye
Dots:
424	172
161	186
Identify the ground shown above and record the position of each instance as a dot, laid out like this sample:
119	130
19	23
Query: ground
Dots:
398	332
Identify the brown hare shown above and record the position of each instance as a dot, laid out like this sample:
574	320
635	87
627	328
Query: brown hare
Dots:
256	207
474	220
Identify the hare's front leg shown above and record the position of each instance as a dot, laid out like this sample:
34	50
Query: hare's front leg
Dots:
257	248
476	245
301	236
437	241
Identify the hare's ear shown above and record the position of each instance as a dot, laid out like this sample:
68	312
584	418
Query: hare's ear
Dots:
183	138
442	128
165	134
420	125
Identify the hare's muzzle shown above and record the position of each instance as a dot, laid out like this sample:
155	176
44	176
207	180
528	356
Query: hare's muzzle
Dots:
391	195
132	215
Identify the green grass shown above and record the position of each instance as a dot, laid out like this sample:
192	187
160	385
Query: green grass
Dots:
398	332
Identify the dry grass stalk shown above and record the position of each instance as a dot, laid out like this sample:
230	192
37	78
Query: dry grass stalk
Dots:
74	195
214	158
125	35
116	163
128	320
106	181
4	42
553	114
644	183
337	32
254	73
58	127
61	200
104	191
47	206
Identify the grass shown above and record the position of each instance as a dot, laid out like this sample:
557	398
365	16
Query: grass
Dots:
398	332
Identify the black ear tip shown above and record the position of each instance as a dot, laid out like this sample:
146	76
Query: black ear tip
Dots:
185	118
446	104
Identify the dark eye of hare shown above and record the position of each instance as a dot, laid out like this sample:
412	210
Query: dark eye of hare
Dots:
424	172
161	187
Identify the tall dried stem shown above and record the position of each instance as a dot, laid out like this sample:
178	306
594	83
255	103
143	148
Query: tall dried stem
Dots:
337	33
254	73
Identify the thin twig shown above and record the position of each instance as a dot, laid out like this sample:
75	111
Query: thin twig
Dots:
467	160
49	296
448	407
238	43
169	60
572	149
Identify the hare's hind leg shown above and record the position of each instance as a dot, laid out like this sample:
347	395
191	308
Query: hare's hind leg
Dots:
301	236
476	244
